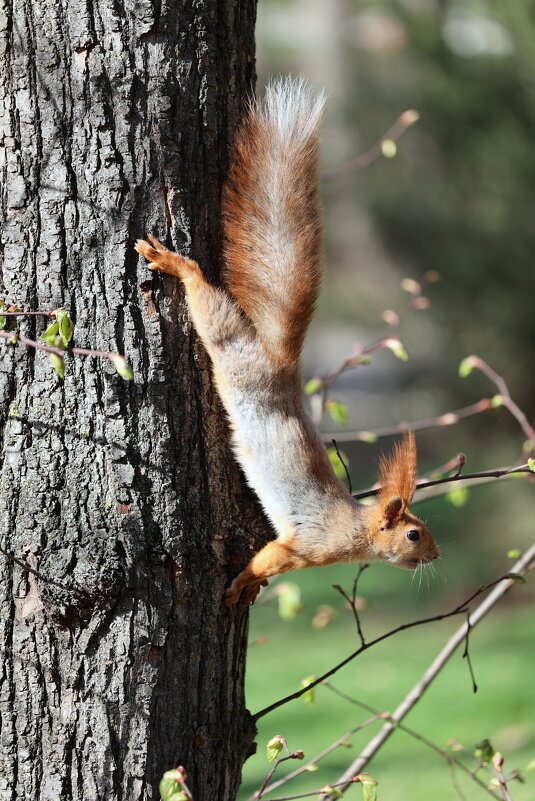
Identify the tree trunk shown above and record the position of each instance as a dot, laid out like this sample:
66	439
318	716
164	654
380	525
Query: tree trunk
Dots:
116	120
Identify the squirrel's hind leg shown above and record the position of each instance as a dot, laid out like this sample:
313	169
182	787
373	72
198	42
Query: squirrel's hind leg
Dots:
215	315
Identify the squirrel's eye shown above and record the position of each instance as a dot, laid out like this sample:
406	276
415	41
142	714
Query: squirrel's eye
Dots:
413	535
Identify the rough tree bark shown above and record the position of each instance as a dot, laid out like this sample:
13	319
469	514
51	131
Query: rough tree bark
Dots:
116	118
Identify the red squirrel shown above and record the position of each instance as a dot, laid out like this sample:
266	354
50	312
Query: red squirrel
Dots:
253	330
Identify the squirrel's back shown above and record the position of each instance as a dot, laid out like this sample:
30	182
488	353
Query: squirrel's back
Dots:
272	218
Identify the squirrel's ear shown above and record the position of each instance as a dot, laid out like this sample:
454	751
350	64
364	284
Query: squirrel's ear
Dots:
392	509
397	472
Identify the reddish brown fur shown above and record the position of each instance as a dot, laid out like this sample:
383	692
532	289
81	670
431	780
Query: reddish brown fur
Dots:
397	472
276	284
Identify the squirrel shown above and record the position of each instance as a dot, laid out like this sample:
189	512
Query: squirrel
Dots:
253	330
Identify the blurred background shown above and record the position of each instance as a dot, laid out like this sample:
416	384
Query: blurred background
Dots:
453	196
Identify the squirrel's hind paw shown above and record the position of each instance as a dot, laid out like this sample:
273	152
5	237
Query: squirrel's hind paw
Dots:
164	260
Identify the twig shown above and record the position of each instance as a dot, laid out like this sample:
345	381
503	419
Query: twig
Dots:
343	465
320	756
466	653
15	337
416	735
441	420
46	579
522	566
502	783
375	152
261	790
27	313
461	609
508	471
301	795
359	356
507	401
353	600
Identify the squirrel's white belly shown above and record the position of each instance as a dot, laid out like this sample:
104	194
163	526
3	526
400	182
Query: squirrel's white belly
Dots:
268	447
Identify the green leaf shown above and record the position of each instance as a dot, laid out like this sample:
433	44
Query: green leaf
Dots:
3	320
332	792
514	554
289	595
308	696
338	411
531	765
467	365
51	333
274	747
65	326
484	752
397	348
517	578
496	401
369	787
313	385
122	367
58	362
336	464
458	496
531	465
169	785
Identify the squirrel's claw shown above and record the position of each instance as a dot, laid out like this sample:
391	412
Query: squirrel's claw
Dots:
156	244
232	595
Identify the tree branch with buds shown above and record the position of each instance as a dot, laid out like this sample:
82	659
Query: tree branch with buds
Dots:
56	339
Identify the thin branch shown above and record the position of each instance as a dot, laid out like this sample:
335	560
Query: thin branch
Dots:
461	609
26	567
314	761
416	735
14	337
28	314
502	783
503	389
441	420
403	122
466	653
343	465
359	356
262	789
303	795
522	566
352	601
507	471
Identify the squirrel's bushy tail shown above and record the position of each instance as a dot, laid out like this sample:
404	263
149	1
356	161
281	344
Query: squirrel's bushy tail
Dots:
271	216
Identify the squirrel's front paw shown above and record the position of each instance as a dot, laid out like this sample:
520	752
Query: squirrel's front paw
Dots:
251	592
164	260
232	595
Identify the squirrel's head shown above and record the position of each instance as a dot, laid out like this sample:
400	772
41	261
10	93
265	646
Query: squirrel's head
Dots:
396	536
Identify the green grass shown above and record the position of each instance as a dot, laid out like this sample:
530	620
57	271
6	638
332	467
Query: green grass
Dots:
503	655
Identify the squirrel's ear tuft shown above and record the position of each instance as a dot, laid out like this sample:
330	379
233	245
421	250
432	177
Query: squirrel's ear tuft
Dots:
392	509
397	473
